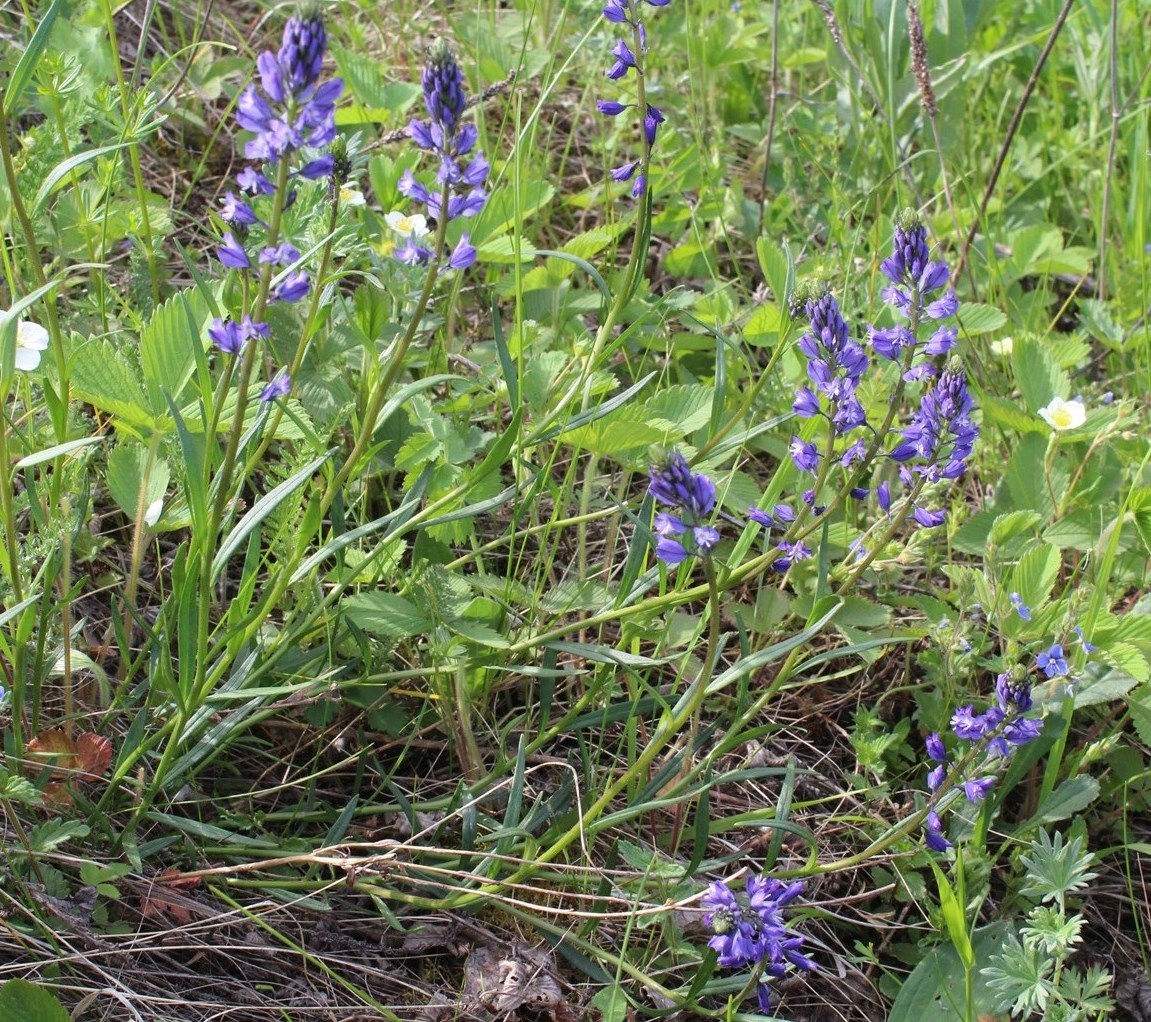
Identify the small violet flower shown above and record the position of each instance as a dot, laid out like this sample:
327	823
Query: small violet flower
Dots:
1021	608
1052	663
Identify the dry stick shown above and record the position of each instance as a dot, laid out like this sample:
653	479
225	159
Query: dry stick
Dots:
1012	128
921	66
1116	111
772	101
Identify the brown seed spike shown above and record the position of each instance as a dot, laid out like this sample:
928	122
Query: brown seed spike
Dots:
919	61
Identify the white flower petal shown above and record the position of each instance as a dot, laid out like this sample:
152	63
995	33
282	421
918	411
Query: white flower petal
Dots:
152	515
31	335
27	359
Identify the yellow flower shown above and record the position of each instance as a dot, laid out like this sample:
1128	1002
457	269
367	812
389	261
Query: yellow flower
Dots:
1061	415
1003	347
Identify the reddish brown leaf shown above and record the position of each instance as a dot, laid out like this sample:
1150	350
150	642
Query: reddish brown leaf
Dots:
172	908
94	753
52	748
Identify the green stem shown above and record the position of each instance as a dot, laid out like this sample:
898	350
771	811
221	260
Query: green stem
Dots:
305	333
380	391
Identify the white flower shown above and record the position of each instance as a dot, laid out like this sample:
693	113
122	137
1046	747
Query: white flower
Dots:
1003	347
1061	415
155	509
351	197
31	339
415	226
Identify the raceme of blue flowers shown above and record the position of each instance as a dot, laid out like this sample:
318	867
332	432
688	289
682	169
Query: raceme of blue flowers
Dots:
627	58
992	734
459	185
290	111
931	448
755	935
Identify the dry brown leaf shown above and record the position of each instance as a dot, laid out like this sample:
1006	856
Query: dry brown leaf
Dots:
154	904
52	748
94	753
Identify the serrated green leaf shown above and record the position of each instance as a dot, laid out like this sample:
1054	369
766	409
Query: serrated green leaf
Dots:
478	632
976	318
1126	658
1102	684
682	409
1010	416
1139	705
128	474
100	376
168	343
1037	375
51	834
1034	575
386	614
1079	530
1012	524
573	595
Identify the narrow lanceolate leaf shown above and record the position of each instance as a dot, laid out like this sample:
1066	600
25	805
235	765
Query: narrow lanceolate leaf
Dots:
29	61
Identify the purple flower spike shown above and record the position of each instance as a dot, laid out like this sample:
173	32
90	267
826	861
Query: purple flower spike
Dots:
446	136
301	55
686	530
674	484
755	934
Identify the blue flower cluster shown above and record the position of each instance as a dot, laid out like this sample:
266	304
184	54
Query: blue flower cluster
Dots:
624	60
994	733
687	528
755	935
291	110
932	447
460	179
835	365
